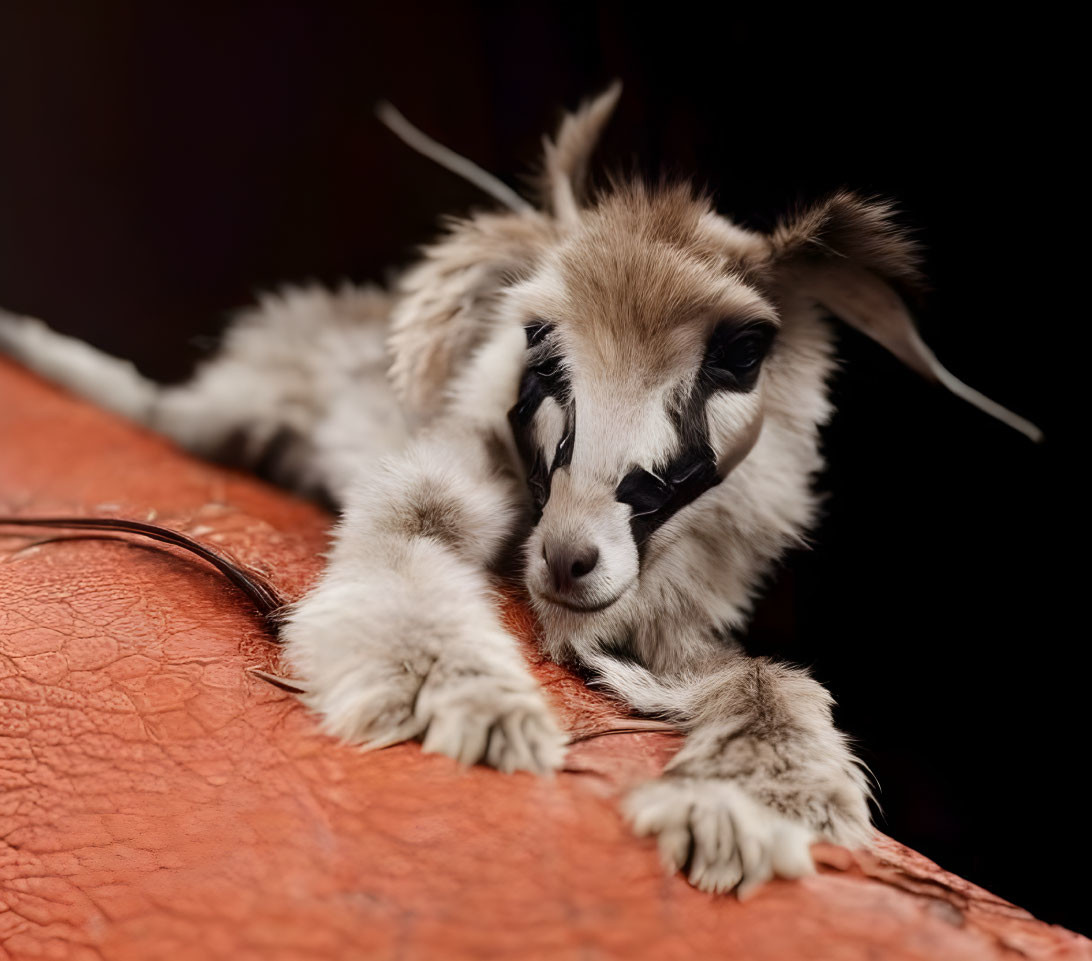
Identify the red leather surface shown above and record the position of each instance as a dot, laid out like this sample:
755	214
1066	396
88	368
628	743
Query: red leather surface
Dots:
156	801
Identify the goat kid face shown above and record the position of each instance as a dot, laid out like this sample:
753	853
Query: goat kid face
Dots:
643	387
649	319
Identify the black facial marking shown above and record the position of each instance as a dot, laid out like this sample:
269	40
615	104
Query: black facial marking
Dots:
644	492
733	358
521	418
536	332
563	453
538	483
531	396
551	376
655	500
732	361
544	377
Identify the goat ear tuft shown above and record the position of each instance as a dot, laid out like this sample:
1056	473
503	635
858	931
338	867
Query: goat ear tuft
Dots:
852	229
850	256
565	169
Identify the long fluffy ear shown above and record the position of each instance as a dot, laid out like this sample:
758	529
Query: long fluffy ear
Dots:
566	157
847	254
446	302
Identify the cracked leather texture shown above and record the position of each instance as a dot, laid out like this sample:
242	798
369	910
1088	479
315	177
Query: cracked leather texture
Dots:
156	801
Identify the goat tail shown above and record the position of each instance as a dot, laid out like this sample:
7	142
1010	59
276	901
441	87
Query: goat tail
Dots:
108	381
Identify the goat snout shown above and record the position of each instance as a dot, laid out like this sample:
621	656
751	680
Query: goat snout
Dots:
581	555
569	564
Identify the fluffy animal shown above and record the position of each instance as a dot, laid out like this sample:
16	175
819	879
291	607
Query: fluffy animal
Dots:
619	393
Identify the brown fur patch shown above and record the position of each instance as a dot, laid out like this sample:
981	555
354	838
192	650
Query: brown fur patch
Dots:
848	227
641	263
428	514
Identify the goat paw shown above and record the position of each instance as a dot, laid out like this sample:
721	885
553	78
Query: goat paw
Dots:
493	719
499	721
726	839
454	697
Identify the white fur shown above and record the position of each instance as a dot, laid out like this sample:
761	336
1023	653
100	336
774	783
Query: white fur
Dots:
108	381
401	639
730	841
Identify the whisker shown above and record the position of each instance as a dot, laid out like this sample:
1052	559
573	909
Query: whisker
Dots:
263	595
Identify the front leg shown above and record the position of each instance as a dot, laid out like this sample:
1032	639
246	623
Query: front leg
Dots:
400	638
763	772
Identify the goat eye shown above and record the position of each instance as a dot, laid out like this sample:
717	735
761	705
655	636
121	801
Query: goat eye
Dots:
735	353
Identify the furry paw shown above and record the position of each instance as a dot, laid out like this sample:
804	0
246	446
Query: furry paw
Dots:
499	720
493	720
462	690
728	839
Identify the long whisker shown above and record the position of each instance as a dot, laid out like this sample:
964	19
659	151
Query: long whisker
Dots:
264	596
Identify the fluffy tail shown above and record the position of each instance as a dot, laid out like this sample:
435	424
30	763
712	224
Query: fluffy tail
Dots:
297	391
107	381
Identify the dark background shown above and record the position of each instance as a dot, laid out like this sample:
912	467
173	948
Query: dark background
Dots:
161	162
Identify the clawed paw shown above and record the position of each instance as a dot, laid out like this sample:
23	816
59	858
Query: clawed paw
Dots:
724	838
498	719
461	690
486	720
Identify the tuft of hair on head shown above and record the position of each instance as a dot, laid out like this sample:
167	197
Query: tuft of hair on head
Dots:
566	158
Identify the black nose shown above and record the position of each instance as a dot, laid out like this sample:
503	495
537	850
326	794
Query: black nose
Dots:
569	564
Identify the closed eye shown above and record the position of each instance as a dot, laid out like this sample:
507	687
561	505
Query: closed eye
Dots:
547	368
537	331
544	363
643	491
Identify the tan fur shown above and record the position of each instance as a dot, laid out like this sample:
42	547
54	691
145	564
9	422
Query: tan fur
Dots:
621	292
566	158
639	263
445	302
848	227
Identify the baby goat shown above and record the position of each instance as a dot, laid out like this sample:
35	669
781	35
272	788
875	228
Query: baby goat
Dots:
630	387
